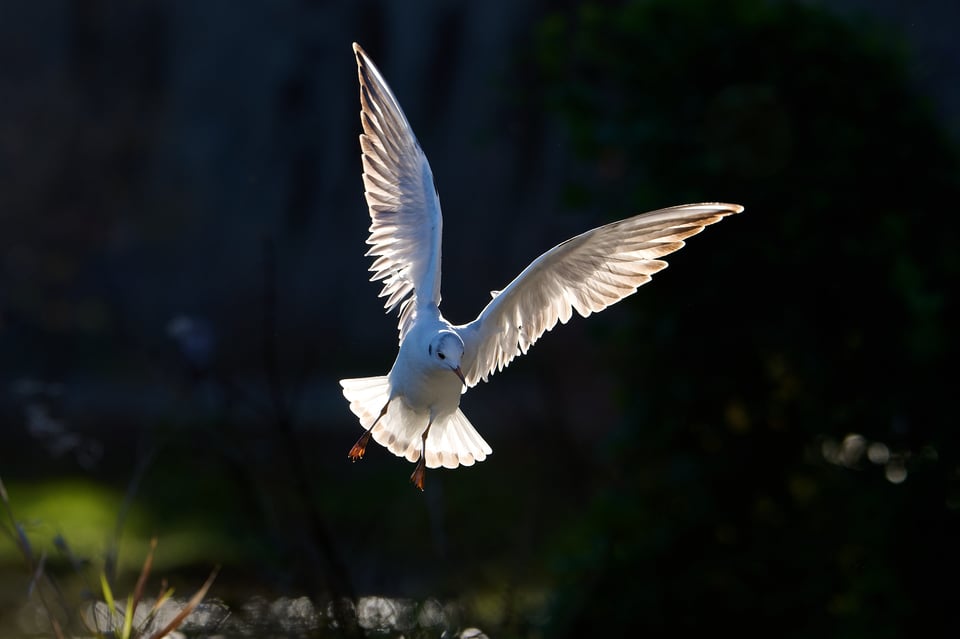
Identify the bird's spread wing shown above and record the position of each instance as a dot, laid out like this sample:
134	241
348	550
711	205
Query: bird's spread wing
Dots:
406	225
586	273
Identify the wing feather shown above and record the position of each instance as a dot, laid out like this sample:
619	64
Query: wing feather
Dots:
585	274
406	224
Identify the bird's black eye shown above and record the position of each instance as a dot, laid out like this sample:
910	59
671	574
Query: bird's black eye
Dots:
441	355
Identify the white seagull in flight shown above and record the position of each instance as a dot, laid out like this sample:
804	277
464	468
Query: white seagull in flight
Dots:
414	410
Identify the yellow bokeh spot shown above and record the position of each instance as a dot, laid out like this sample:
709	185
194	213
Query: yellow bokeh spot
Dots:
738	420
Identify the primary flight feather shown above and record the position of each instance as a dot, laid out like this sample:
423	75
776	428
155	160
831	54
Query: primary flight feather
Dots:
414	410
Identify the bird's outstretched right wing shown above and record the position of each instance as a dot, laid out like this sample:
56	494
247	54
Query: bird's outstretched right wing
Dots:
406	225
586	273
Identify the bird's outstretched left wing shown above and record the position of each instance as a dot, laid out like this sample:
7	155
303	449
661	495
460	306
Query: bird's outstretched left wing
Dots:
406	224
586	273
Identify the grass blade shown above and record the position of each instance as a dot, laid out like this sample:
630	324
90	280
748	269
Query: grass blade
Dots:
108	595
191	605
57	630
158	604
37	575
128	618
144	573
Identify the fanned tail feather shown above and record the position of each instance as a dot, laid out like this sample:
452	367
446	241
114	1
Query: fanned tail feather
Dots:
366	395
453	441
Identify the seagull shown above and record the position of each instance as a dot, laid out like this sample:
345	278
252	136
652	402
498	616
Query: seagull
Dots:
414	410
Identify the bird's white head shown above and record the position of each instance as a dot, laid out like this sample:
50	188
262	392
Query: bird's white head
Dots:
445	351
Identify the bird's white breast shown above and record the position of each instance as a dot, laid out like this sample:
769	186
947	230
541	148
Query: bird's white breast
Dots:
418	380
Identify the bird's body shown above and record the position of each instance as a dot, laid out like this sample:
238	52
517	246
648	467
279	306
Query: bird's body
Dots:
418	393
414	409
423	386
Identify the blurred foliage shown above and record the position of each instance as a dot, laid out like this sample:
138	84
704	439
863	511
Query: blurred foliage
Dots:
826	310
91	517
83	511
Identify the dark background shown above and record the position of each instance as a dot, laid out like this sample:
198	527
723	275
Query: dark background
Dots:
763	439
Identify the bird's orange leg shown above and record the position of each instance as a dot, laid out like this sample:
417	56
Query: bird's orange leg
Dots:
361	446
421	470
